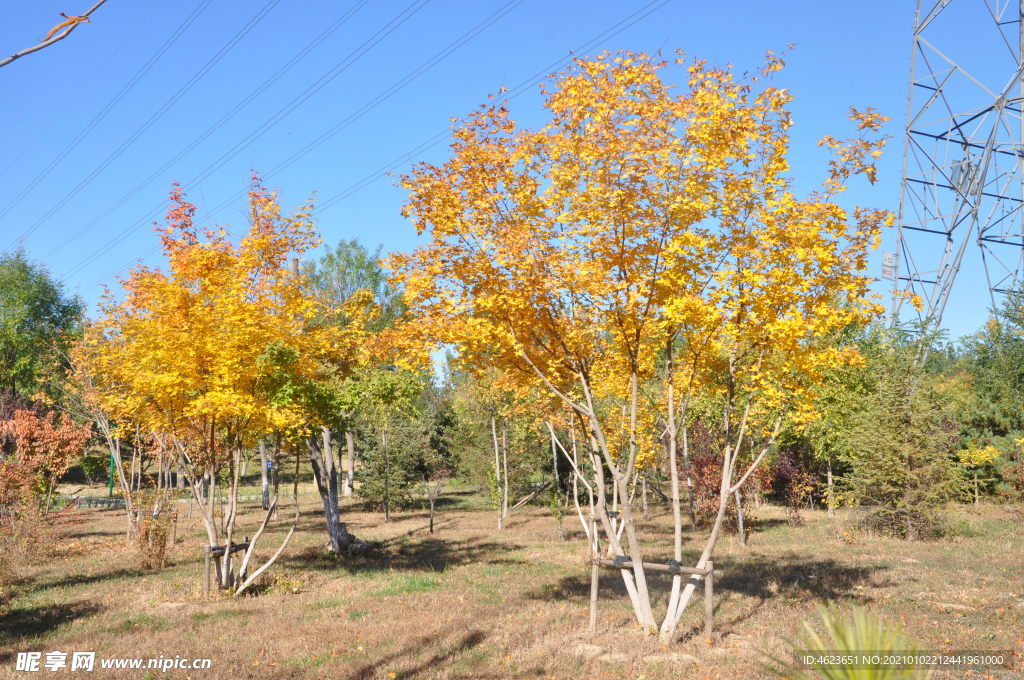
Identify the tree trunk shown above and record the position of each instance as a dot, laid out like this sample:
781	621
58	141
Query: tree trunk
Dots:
49	495
335	451
430	499
688	475
643	496
264	479
830	490
977	501
350	473
504	474
497	471
739	518
338	536
673	465
387	477
554	461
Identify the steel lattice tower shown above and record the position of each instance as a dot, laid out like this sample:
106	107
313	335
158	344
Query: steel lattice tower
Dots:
963	165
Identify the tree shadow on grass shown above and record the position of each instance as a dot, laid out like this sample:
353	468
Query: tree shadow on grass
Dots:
764	578
83	579
426	554
26	622
428	668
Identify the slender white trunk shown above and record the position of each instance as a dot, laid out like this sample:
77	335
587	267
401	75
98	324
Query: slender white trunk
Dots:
504	473
497	472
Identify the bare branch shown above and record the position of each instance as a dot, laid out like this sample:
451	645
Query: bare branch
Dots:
71	25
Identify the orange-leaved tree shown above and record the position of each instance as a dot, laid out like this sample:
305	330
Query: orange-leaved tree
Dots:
648	233
208	353
44	446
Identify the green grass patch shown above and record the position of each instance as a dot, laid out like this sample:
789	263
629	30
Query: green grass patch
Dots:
357	614
141	621
308	661
219	615
328	603
406	584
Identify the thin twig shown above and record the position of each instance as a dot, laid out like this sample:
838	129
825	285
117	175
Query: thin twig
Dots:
46	43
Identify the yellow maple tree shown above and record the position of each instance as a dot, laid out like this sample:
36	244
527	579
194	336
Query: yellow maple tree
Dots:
221	348
647	230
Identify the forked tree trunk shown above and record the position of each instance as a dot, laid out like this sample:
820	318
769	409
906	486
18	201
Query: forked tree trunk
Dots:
726	488
324	473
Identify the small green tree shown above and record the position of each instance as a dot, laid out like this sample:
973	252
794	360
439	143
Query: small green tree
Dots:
394	463
38	322
393	437
903	444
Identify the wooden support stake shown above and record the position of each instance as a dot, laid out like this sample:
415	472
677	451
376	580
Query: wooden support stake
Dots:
709	601
206	586
653	566
220	574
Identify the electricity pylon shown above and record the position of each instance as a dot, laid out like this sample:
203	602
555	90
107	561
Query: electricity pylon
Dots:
963	163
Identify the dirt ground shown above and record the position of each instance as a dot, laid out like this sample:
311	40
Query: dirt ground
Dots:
473	602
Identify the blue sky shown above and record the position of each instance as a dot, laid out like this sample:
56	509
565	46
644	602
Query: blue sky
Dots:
88	150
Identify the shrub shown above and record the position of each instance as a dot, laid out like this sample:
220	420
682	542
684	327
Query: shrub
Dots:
706	472
794	484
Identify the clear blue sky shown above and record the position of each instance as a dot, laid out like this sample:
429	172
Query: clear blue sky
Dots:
90	211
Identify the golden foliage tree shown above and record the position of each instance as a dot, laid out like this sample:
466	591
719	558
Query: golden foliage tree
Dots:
216	351
646	230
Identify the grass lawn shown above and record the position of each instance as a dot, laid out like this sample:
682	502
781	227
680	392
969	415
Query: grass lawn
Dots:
472	602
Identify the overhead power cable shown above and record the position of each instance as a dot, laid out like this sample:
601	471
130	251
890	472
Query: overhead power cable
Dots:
614	30
339	68
75	140
217	125
159	113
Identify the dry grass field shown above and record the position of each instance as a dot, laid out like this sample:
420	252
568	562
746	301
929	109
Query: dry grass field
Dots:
472	602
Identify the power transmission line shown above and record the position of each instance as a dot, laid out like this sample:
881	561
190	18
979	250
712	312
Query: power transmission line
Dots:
159	113
617	28
509	95
255	92
87	85
276	118
98	118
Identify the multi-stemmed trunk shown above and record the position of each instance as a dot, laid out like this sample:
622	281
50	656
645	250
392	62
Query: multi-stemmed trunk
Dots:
202	483
618	525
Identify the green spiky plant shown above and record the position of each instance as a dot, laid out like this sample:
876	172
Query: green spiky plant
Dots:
859	632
